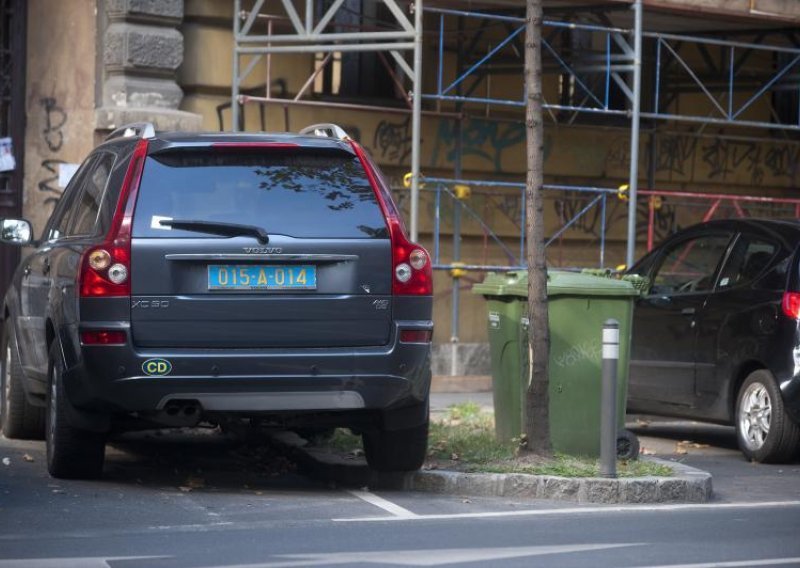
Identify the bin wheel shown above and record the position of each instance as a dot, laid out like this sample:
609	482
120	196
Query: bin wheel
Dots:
627	445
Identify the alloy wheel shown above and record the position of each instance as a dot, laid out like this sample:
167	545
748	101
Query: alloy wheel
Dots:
755	416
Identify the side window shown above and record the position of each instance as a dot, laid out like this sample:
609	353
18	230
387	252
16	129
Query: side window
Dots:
749	261
87	207
689	266
59	222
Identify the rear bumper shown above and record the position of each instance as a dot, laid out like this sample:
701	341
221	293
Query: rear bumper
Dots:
111	379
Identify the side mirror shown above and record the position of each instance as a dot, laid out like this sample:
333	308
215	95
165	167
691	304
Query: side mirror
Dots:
16	232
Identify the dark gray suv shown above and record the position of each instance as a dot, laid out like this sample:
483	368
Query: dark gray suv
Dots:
187	277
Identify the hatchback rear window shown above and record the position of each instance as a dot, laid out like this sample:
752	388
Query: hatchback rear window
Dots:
294	194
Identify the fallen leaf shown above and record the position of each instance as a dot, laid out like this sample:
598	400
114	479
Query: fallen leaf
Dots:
6	461
27	458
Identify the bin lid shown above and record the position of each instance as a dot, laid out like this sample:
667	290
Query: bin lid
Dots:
559	283
498	283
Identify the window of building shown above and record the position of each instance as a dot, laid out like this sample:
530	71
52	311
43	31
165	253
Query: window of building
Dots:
357	74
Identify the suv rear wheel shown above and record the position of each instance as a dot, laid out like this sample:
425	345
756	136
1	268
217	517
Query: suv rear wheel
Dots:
764	430
19	418
396	450
72	453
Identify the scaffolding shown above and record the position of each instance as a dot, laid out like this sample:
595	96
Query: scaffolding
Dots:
619	73
313	34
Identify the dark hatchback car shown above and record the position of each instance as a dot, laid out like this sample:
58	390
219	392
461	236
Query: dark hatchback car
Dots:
218	277
716	337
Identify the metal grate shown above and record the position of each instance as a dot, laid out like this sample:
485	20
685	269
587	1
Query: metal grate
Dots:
12	120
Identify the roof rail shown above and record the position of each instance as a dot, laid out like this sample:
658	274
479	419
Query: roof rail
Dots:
326	130
137	129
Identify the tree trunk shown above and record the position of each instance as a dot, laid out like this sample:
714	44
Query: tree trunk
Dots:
537	400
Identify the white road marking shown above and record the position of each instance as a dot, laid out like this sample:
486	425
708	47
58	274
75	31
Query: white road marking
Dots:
735	563
396	510
85	562
578	510
436	557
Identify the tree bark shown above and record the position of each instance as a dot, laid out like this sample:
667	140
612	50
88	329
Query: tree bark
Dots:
537	400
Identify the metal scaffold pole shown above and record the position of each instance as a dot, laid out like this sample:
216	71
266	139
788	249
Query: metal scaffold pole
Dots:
635	120
237	9
416	123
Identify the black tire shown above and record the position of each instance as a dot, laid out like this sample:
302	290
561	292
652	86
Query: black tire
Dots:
71	453
18	418
396	450
627	445
763	429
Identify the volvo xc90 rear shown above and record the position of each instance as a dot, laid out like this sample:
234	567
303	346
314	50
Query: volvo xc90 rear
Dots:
187	277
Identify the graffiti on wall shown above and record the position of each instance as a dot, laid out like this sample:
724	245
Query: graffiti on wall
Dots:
55	117
568	205
49	185
712	160
392	141
488	141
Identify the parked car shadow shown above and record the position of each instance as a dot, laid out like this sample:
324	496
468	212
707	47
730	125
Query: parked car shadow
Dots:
696	433
201	459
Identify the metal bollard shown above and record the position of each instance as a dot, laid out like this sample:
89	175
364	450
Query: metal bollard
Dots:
608	400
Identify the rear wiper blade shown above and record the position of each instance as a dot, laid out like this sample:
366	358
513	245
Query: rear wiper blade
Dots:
212	228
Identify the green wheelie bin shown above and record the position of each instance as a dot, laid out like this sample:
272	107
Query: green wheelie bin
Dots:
578	305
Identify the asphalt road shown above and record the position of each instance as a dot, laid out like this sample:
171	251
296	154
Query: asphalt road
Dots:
201	499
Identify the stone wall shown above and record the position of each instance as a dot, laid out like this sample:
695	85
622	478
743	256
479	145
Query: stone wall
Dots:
141	51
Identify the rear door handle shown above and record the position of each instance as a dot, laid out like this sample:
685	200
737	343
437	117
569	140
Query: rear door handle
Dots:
688	311
27	270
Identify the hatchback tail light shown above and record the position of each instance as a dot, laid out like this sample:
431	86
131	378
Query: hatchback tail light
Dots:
791	304
416	336
106	268
103	337
412	273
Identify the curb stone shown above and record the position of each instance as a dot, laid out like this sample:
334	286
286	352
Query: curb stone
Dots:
688	485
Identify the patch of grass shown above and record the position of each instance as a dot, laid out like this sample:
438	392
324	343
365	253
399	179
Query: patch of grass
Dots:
466	434
571	466
463	440
342	441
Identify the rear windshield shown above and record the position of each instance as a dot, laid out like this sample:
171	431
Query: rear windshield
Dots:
306	196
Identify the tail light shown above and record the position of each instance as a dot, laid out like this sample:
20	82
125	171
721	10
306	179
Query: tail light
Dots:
103	337
416	336
412	274
106	268
791	304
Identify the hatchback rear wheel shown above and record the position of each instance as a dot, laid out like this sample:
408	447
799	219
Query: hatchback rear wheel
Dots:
764	430
396	450
72	453
19	419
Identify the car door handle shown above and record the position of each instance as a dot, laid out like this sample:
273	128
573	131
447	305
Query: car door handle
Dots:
27	270
46	266
688	311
